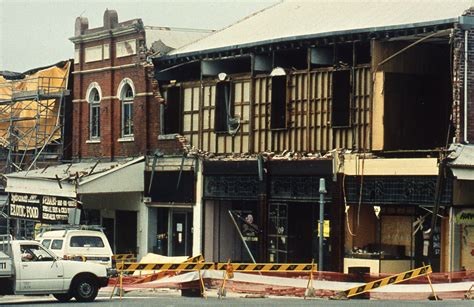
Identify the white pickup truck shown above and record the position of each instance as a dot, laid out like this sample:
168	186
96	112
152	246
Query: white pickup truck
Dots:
26	267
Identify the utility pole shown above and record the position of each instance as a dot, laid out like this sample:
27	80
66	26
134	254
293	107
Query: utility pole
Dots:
322	191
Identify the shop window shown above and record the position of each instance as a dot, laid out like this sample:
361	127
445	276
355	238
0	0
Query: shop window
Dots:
171	111
224	107
341	98
278	106
127	110
94	114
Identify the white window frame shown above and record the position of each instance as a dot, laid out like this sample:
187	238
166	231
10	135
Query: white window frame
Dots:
126	102
94	104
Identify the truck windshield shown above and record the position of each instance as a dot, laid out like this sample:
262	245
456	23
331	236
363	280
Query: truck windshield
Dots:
86	241
34	253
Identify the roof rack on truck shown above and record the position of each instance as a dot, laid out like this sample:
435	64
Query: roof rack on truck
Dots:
67	228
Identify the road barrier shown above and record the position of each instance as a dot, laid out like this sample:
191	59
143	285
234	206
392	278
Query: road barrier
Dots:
390	280
124	257
235	267
197	264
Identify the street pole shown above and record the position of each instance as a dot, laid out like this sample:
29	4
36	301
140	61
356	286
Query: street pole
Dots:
322	191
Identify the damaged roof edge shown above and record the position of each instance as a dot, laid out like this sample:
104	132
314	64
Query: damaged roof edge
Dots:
112	170
450	21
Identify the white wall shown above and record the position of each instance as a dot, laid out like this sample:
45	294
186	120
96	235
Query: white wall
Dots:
198	213
146	217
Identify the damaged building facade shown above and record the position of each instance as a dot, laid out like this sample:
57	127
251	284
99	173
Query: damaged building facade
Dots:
35	132
370	104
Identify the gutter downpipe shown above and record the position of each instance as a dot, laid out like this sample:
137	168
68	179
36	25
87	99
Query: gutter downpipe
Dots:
466	55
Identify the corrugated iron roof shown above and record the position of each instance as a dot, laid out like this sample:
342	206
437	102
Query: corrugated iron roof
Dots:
173	37
292	20
461	156
66	171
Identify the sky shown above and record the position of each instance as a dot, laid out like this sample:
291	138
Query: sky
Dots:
35	33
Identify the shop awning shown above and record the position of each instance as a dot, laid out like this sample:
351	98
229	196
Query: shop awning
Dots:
71	180
462	161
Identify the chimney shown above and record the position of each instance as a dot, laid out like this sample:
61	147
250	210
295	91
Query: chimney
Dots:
81	26
110	19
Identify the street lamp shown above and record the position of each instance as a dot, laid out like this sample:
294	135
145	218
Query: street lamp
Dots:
322	191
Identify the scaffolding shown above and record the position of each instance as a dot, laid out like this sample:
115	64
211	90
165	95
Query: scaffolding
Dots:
32	121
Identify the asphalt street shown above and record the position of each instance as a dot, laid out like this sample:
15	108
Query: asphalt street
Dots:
172	301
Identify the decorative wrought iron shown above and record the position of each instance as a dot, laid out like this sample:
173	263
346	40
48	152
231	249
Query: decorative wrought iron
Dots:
396	190
231	187
297	188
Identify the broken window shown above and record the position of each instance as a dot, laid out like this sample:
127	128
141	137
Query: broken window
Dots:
224	107
278	106
341	98
94	114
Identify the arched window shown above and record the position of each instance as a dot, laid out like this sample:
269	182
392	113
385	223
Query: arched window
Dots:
94	114
126	98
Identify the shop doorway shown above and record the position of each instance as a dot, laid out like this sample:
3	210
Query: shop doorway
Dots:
126	232
293	233
180	233
109	230
174	232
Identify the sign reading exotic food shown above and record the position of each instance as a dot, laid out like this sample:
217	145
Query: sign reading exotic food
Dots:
41	208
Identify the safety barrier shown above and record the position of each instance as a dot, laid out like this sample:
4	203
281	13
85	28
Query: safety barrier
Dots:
236	267
124	257
390	280
197	264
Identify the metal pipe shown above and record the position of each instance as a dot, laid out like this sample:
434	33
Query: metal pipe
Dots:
412	45
466	55
241	237
322	191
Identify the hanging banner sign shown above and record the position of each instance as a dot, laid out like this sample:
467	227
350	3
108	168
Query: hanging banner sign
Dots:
40	208
465	217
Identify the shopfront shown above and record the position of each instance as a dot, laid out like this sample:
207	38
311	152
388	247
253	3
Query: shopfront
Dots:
270	214
170	194
460	248
108	193
388	226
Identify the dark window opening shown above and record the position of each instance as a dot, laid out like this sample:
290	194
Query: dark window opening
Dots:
171	110
278	106
224	107
294	59
344	54
341	98
362	53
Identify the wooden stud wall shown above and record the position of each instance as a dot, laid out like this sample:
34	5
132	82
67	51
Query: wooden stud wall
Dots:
308	120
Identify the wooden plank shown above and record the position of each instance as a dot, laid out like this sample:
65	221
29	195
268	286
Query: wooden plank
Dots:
391	167
378	112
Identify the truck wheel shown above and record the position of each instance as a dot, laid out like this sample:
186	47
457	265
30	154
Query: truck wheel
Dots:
85	290
64	297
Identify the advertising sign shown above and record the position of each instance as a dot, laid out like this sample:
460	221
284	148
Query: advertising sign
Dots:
465	217
40	208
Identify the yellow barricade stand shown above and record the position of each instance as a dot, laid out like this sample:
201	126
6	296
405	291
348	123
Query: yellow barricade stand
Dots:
390	280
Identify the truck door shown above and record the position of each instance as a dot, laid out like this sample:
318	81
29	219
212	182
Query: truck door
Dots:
38	270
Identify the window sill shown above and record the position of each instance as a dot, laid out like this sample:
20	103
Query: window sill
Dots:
126	139
93	141
171	136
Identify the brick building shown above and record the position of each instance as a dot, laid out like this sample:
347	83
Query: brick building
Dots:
117	116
